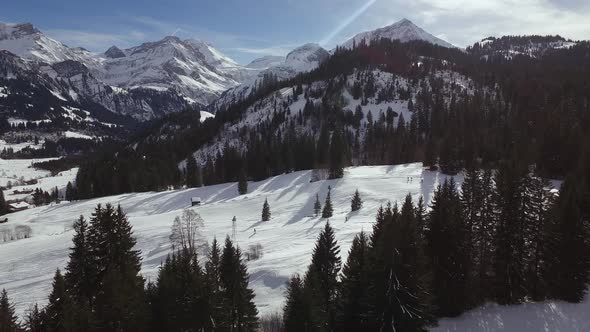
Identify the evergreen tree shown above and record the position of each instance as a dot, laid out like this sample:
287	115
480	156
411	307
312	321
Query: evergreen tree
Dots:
321	279
446	245
537	202
8	320
399	287
265	211
296	314
192	178
3	205
317	206
119	300
328	209
356	203
353	302
509	261
79	271
242	313
216	302
567	275
181	294
80	274
69	192
242	184
337	155
35	320
60	310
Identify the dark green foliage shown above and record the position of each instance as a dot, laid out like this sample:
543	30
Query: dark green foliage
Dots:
356	203
447	247
297	313
180	292
353	304
35	320
60	310
119	302
80	270
338	155
243	184
567	272
193	176
317	206
216	301
328	209
70	194
265	211
509	241
321	280
241	311
399	285
3	205
8	320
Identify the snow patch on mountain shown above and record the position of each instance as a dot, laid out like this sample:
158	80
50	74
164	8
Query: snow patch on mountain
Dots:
403	30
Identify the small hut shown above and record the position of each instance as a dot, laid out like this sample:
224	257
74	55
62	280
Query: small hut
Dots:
195	201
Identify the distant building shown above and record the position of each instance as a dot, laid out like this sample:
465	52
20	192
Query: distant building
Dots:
195	201
18	206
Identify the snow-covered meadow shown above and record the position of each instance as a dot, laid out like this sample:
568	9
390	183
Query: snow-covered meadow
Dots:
27	265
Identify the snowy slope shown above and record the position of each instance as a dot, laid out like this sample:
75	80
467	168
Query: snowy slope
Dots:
403	30
266	62
283	100
287	239
28	42
192	67
550	316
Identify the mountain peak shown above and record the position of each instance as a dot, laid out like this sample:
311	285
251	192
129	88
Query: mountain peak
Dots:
15	31
403	30
114	52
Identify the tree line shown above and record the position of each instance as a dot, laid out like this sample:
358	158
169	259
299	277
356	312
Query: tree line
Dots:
504	237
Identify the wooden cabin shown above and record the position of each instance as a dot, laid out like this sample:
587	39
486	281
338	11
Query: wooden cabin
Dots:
195	201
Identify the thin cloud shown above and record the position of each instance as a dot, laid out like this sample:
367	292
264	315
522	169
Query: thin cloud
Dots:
272	50
93	41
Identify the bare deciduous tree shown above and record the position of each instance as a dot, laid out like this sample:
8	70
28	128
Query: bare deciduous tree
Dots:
186	230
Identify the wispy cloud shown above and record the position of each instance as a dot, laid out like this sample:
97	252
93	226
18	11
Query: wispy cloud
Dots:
271	50
463	22
94	40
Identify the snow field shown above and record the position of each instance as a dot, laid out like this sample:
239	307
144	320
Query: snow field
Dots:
287	239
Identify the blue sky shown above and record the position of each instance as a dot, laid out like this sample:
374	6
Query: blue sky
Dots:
247	29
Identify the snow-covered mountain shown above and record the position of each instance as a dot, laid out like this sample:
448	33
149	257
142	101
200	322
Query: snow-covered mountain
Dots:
302	59
170	67
508	47
190	67
266	62
29	43
193	68
403	30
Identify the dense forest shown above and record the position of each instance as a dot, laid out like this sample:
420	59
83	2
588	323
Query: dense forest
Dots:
529	110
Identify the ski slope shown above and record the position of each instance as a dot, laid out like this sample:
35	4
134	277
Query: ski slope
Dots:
27	265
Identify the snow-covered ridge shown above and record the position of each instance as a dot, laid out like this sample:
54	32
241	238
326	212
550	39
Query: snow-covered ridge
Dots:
403	30
283	100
